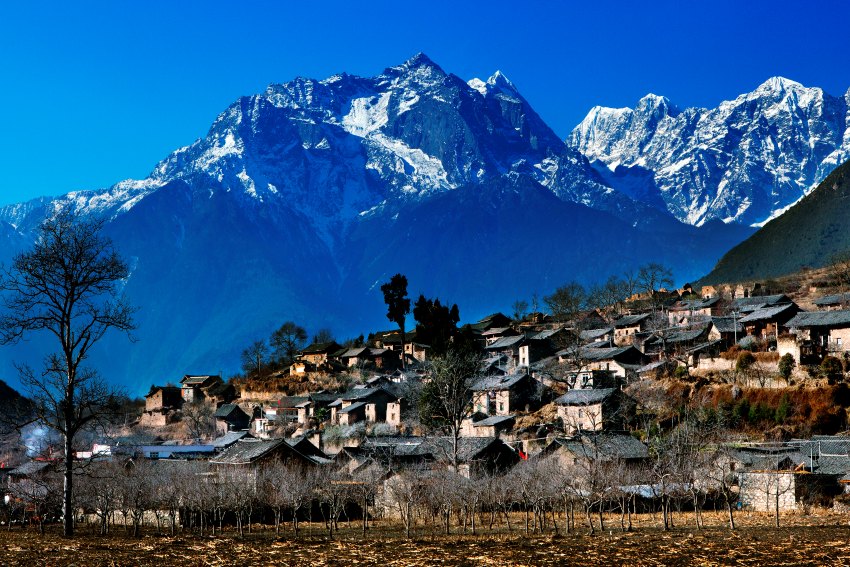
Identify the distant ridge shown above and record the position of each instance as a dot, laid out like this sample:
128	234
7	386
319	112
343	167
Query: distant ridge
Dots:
809	234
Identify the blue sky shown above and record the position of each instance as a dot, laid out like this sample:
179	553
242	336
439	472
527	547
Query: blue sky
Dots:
96	92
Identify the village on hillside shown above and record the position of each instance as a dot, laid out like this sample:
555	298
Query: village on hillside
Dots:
601	402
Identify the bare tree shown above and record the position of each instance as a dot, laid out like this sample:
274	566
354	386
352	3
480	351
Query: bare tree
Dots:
446	399
286	341
68	285
254	357
651	278
198	418
520	308
567	302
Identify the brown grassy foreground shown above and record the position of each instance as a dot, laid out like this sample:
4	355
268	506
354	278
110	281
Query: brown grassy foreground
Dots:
822	539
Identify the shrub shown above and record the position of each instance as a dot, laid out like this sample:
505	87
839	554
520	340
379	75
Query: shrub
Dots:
831	368
786	365
745	361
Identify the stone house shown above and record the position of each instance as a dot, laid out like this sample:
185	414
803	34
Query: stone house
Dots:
818	334
161	405
373	409
771	321
207	388
503	395
689	311
492	426
627	326
726	329
601	447
319	354
621	361
601	409
231	417
833	302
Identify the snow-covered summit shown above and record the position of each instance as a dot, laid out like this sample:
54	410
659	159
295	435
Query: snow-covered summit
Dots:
743	161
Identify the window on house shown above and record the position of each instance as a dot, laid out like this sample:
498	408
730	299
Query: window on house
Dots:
501	406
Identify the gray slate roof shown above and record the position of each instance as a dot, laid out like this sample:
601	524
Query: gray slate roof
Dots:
838	318
506	342
499	382
227	410
767	313
593	334
835	299
630	320
494	420
584	397
756	301
228	439
30	468
728	324
353	407
247	451
605	446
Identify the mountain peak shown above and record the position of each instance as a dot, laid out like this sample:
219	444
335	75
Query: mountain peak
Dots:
779	84
419	60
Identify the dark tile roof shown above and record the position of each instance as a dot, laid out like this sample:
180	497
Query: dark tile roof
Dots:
835	299
322	348
605	446
247	451
499	382
630	320
728	324
838	318
769	313
228	410
30	468
229	439
606	353
353	407
468	448
755	301
506	342
494	420
584	397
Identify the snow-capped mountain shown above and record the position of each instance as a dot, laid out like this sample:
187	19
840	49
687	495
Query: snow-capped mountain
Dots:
300	201
745	161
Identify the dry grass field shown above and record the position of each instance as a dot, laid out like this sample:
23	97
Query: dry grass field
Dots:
819	539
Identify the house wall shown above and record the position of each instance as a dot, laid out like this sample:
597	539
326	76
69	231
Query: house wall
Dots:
716	363
611	365
154	402
841	336
759	491
479	402
625	335
788	345
394	413
586	418
303	415
316	359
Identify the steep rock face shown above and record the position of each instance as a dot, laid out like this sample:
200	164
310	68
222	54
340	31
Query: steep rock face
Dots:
301	200
744	161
